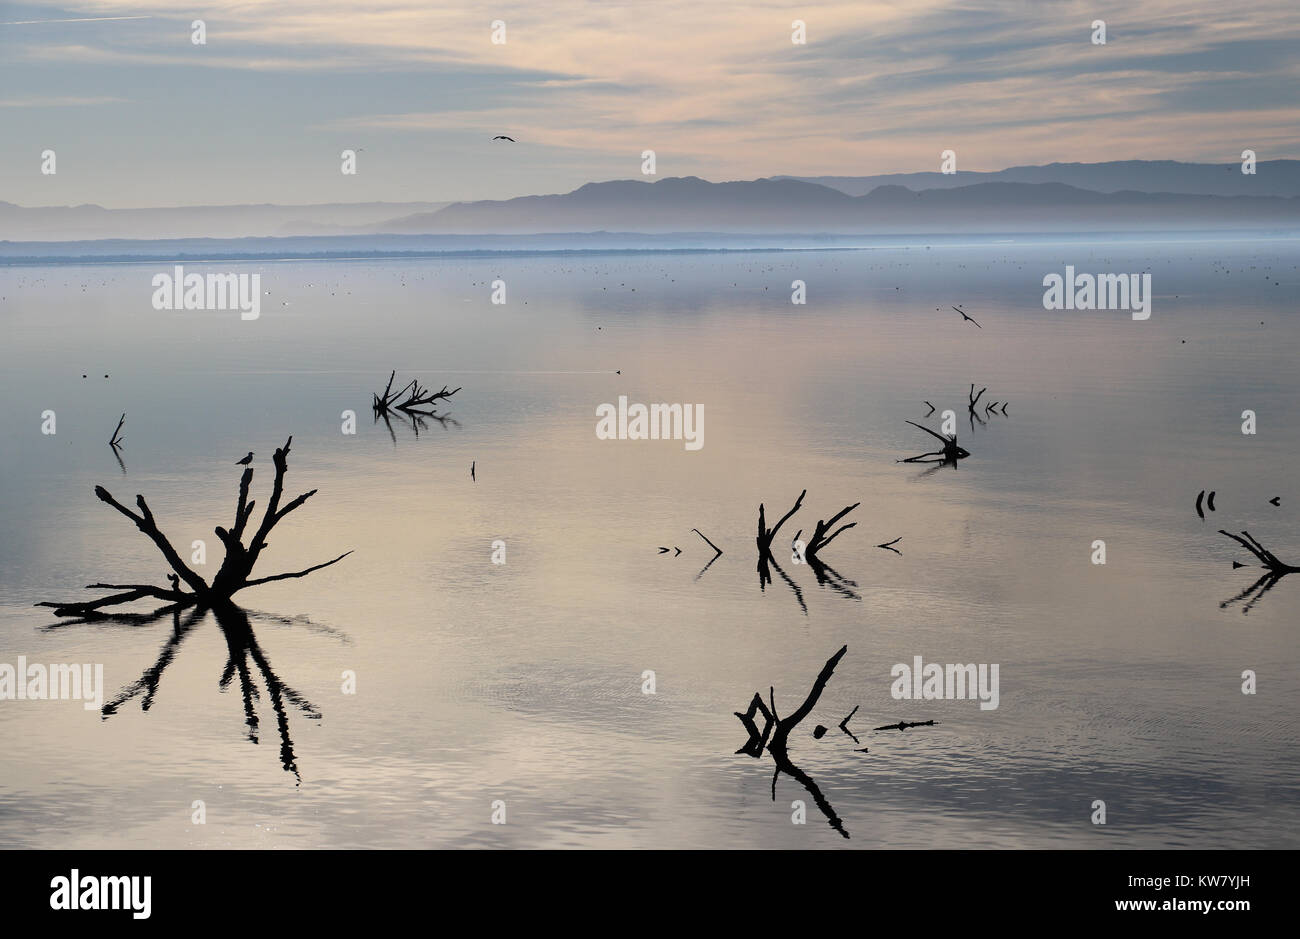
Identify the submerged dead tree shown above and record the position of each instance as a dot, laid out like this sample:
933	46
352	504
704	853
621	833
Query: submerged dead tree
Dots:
990	408
827	575
115	442
236	569
1274	570
808	553
949	455
775	735
413	402
764	542
820	539
717	553
413	398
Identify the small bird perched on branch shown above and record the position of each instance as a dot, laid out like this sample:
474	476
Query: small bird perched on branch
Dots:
246	460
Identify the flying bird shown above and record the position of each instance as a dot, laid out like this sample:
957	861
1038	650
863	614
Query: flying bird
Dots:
504	137
965	317
246	460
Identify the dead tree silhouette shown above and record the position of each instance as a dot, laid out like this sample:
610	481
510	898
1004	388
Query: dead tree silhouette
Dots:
236	569
948	456
821	537
410	405
827	575
764	542
991	408
717	553
115	442
970	407
1274	570
776	732
418	400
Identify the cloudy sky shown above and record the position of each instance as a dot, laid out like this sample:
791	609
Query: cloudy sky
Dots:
140	116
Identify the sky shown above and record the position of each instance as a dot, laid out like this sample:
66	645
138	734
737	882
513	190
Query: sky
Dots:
138	115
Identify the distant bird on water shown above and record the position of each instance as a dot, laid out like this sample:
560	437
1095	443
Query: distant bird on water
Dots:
965	317
504	137
246	460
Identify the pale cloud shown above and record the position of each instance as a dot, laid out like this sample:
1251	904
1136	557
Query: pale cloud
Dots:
718	89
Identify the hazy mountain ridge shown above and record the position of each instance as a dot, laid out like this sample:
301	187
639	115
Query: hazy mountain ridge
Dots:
1121	196
1271	178
790	205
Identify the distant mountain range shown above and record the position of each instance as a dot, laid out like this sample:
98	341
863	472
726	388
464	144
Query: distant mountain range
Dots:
1060	197
690	204
80	222
1271	178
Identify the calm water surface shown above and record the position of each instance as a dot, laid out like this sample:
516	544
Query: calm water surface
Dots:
522	682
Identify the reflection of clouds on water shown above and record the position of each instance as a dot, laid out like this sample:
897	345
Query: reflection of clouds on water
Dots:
522	680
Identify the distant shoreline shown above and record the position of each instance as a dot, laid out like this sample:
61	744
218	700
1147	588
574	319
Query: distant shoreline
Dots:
433	247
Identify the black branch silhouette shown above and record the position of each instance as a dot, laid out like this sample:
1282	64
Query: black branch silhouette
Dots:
775	736
822	535
764	542
411	405
972	403
717	553
821	539
412	398
948	456
990	408
1274	570
236	569
115	443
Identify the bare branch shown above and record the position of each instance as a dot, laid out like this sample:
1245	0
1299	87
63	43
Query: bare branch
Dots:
303	573
706	541
820	539
145	522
